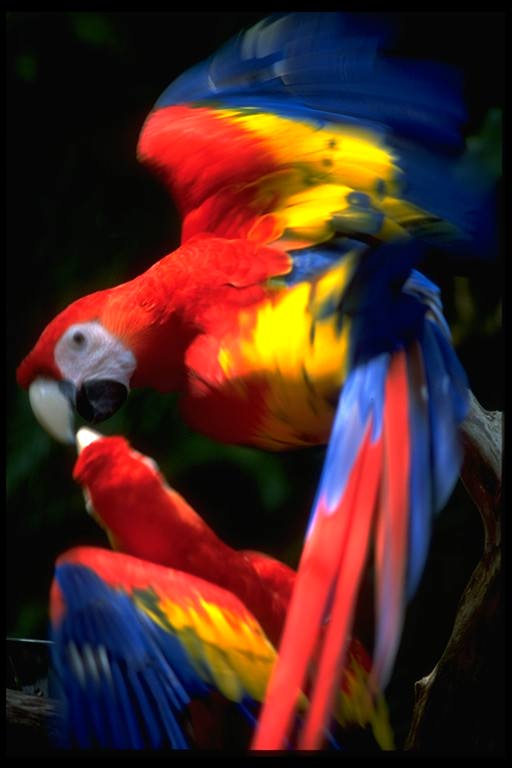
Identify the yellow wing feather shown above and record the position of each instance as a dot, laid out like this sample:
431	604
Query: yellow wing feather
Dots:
320	166
231	646
286	341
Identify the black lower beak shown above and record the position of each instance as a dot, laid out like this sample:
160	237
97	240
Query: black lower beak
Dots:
68	390
98	399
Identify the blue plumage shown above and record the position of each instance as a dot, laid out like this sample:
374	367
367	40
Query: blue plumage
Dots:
359	409
393	307
438	404
420	519
309	262
446	404
122	689
343	69
328	66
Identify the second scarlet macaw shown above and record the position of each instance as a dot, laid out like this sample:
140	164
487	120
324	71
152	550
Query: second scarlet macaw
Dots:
312	171
145	637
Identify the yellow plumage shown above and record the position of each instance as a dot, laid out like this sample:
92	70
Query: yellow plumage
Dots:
231	648
294	349
320	166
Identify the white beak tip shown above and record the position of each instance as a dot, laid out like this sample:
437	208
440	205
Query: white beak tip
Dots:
85	436
52	409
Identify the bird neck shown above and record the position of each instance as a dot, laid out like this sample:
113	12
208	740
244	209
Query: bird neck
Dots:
152	315
160	313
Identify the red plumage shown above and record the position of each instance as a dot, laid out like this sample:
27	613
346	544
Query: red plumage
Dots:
219	161
152	523
341	541
294	280
147	519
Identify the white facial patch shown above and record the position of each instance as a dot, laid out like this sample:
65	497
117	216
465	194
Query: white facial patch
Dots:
89	351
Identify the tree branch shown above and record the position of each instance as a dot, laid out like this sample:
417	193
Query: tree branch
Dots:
32	723
459	707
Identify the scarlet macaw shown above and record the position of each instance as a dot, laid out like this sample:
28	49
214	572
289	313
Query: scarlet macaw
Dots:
142	637
312	172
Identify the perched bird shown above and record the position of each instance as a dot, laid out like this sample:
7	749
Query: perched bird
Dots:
313	170
152	644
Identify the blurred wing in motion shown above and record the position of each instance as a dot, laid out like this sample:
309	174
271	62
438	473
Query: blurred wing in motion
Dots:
308	127
392	461
136	643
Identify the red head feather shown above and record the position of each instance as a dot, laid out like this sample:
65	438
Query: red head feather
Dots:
40	361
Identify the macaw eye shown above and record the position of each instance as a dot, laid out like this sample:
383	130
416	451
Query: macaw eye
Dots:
78	339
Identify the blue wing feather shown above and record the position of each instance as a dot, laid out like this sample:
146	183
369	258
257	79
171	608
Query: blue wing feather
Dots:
437	395
134	688
332	68
324	66
445	404
420	519
360	404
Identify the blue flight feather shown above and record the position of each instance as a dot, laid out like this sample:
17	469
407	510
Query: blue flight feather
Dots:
420	286
331	68
420	516
438	396
360	405
445	406
384	316
112	669
328	66
309	262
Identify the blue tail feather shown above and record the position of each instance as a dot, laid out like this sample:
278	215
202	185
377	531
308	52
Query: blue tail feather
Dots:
438	396
420	519
445	405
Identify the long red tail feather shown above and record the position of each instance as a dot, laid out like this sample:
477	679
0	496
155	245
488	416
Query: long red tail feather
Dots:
332	656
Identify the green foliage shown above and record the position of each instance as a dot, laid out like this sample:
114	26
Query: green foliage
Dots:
26	67
94	28
488	143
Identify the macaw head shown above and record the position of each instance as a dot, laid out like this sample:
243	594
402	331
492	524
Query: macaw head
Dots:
92	352
128	496
122	488
113	474
79	362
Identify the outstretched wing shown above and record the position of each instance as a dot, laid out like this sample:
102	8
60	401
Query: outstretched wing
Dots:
304	129
137	647
135	643
392	461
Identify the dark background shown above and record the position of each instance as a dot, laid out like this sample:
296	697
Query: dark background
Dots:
83	215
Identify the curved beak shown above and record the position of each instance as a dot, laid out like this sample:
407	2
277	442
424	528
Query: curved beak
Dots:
98	399
53	406
54	402
85	437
